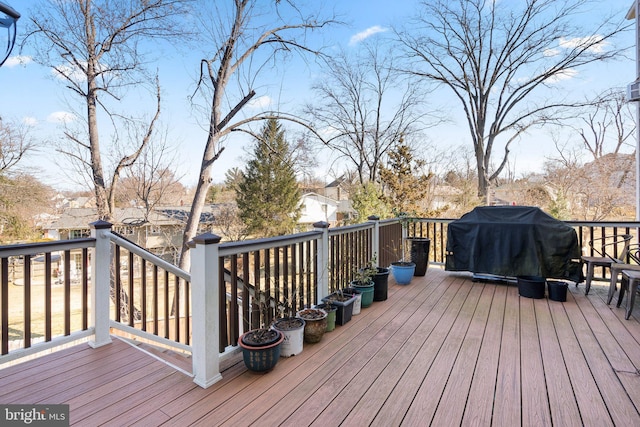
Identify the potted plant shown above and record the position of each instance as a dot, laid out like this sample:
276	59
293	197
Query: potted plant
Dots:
363	282
344	305
420	254
331	314
315	323
357	302
291	327
380	284
293	330
261	348
402	270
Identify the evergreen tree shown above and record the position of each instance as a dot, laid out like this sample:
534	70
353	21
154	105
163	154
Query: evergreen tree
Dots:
268	196
367	200
405	185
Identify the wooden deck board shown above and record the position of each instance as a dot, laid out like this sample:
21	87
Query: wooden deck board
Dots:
425	400
593	411
308	393
507	408
563	411
620	410
351	396
535	401
422	323
403	394
451	405
479	403
441	351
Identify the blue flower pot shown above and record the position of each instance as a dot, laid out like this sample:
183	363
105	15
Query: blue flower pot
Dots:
402	272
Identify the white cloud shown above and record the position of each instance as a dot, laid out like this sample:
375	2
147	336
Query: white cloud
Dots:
598	44
328	132
567	74
73	73
261	102
30	121
13	61
61	117
357	38
551	52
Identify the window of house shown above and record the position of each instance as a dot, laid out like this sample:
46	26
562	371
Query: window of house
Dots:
79	234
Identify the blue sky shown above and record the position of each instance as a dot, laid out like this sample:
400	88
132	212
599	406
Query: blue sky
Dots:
31	95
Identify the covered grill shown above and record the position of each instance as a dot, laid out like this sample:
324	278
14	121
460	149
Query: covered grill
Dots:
513	241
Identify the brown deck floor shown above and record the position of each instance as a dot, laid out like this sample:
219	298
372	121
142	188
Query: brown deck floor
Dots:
441	351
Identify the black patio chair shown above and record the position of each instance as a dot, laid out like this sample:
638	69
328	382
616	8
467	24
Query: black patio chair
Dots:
630	278
609	250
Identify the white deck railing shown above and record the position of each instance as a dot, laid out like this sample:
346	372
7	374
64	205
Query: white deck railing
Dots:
112	284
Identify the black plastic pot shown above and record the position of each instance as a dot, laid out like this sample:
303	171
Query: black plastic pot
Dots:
381	284
420	255
344	308
531	286
557	290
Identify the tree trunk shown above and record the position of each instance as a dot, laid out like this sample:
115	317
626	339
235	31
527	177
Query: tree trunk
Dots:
193	221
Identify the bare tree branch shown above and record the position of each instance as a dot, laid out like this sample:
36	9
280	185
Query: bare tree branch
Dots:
234	42
94	45
495	57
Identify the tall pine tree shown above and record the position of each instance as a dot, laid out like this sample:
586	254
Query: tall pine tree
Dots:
404	182
268	195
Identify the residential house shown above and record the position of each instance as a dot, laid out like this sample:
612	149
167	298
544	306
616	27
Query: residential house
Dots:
159	231
316	207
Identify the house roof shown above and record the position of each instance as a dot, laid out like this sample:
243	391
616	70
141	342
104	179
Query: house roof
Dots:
337	182
319	197
80	218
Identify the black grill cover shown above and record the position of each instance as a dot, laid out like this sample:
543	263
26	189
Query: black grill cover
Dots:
513	241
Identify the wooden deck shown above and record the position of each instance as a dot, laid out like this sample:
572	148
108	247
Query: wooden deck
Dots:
440	351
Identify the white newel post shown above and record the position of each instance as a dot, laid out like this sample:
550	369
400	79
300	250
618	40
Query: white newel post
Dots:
323	260
101	281
375	241
205	299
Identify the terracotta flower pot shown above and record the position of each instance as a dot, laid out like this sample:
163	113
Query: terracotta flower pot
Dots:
315	324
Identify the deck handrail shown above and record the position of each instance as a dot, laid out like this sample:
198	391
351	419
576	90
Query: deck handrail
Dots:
287	271
143	253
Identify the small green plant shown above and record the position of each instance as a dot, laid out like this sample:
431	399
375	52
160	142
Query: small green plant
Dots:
364	275
404	218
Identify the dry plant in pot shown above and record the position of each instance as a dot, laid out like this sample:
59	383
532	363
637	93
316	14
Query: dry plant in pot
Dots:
261	346
315	323
292	328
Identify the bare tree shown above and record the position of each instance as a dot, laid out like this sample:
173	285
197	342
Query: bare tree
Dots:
229	224
14	144
242	44
95	47
366	107
594	191
151	181
24	203
607	125
495	56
